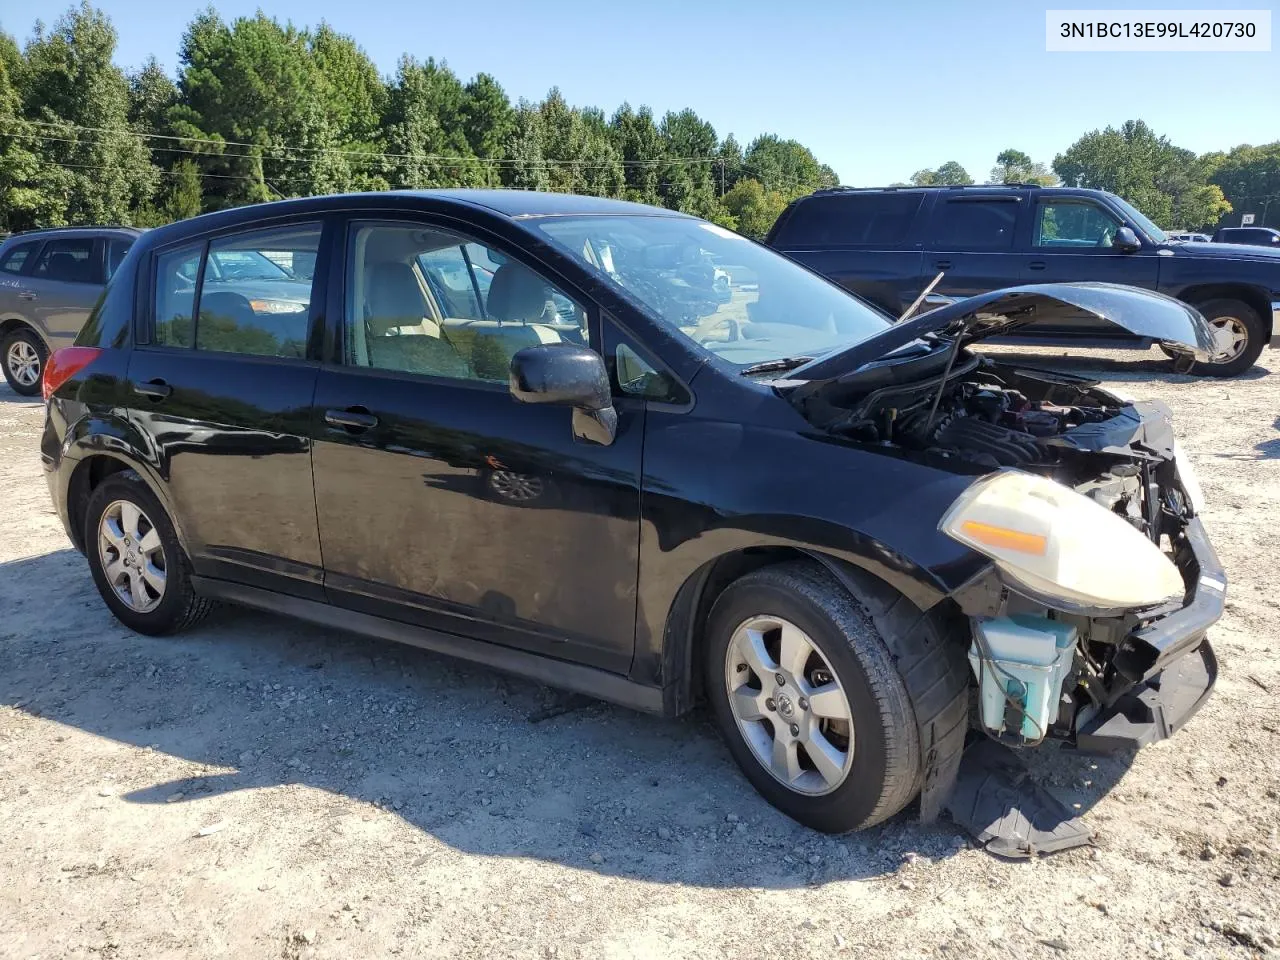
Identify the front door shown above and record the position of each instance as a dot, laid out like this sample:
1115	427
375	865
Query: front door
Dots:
224	388
441	500
1071	241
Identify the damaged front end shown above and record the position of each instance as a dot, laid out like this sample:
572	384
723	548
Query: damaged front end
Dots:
1089	626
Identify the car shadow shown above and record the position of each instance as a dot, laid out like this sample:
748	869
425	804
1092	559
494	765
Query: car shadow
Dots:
1143	366
487	763
8	395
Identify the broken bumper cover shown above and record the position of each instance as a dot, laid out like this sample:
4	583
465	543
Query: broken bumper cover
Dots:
1275	324
1169	662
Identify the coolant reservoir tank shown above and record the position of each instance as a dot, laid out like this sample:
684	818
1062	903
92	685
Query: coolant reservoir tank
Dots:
1021	675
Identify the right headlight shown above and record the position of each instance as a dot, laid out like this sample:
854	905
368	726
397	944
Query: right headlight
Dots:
1058	544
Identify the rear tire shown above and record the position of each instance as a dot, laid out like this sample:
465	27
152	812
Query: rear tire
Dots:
904	686
138	565
1247	327
23	356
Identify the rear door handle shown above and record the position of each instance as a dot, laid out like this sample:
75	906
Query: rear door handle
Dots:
27	295
353	419
1036	265
154	389
942	264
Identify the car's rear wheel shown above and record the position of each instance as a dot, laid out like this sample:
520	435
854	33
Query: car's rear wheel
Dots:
1240	332
138	565
830	708
23	357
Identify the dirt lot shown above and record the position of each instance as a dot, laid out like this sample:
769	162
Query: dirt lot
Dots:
260	788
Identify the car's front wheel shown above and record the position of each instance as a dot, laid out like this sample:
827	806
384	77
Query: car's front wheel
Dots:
812	700
24	356
137	562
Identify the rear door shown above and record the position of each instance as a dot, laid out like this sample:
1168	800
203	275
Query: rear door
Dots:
1069	240
221	380
863	240
971	241
63	286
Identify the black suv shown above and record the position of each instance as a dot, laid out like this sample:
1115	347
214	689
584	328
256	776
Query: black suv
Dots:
888	244
628	452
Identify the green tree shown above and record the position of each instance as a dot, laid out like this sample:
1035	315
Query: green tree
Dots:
786	166
1249	178
426	130
641	146
688	173
78	100
1014	166
488	120
32	192
950	174
753	207
1165	182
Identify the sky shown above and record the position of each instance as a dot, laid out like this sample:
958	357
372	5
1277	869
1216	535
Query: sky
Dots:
877	90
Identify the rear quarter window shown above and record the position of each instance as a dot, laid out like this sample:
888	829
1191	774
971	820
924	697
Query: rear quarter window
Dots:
850	220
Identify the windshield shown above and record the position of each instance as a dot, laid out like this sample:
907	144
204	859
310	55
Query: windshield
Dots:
1145	225
736	299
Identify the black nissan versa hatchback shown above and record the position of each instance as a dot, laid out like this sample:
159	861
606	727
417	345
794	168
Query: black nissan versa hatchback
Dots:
538	432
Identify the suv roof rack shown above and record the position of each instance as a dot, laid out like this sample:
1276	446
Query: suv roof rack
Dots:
929	186
92	226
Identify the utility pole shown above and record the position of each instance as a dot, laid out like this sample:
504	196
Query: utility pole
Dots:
722	176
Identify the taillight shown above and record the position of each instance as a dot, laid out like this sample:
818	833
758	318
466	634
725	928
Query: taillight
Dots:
63	365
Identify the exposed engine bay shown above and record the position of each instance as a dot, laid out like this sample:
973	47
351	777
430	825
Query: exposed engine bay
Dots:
990	416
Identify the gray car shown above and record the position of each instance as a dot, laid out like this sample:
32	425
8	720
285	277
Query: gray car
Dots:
49	281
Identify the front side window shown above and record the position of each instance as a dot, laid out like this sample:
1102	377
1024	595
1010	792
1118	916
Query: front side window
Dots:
1064	224
16	258
429	301
69	261
736	299
975	225
249	301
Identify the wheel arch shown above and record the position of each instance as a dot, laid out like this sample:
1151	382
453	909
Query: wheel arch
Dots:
101	448
684	631
1254	297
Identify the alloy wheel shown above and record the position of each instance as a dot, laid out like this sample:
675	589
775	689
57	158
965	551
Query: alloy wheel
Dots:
132	556
790	706
23	362
1230	335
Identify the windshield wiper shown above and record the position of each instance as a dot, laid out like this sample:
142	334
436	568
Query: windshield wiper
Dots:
771	366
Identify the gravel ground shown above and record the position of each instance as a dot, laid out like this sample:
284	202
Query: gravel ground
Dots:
261	788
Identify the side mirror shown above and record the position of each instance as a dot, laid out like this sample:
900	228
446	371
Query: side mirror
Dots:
568	375
1126	241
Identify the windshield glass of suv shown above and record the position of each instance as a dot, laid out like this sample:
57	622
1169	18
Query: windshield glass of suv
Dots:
737	299
1146	226
248	265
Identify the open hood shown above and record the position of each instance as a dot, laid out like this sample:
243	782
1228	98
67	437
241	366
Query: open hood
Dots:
1141	312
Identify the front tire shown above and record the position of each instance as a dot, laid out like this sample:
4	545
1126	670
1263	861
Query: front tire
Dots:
138	565
1242	324
807	686
23	356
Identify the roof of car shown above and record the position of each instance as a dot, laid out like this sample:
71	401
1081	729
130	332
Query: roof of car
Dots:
528	203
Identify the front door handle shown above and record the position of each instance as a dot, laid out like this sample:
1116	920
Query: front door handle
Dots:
942	264
352	419
153	389
27	295
1036	265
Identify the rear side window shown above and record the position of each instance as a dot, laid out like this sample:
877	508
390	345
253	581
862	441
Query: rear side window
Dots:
67	261
247	293
251	300
850	220
974	225
16	257
175	296
116	250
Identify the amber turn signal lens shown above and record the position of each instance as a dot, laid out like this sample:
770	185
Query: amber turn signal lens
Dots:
994	536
